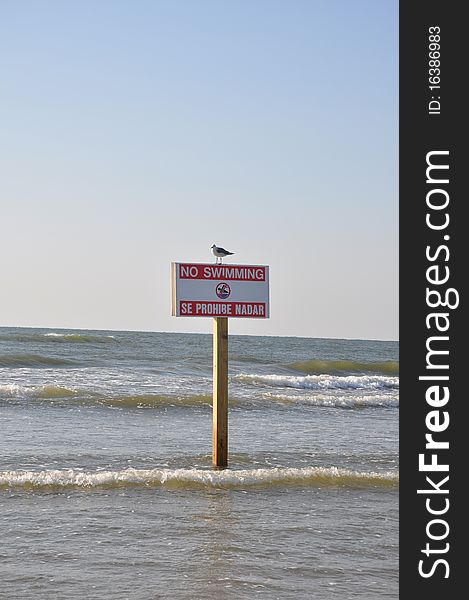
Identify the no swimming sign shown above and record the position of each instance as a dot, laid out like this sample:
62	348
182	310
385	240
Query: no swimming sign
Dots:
214	290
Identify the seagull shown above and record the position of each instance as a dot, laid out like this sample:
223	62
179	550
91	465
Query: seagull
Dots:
220	253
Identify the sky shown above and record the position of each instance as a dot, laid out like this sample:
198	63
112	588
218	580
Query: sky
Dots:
137	133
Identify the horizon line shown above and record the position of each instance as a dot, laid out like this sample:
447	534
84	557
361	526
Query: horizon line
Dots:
198	333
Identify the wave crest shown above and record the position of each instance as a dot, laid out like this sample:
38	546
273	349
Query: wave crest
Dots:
16	361
79	337
69	396
322	382
200	478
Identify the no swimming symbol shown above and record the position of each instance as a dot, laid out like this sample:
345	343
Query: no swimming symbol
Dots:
223	290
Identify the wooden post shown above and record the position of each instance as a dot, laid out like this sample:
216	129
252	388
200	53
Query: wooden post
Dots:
220	392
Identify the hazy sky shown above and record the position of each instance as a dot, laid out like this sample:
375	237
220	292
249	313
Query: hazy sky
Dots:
136	133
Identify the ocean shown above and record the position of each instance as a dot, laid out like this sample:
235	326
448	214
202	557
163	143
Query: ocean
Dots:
106	484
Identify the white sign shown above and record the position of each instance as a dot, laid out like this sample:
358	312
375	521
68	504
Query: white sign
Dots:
217	290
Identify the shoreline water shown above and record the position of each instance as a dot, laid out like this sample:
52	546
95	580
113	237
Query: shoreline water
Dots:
105	467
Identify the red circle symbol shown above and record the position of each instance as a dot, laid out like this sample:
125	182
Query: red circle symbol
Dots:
223	290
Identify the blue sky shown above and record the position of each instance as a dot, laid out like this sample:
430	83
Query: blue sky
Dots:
139	133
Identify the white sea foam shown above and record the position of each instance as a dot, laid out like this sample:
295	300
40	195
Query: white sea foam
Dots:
11	389
322	382
79	337
196	477
340	400
42	391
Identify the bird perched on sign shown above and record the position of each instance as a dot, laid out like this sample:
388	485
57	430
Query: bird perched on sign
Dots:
220	253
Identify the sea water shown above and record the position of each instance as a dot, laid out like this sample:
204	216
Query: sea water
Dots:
106	484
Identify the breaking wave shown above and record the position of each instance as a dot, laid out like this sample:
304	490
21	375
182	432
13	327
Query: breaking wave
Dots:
79	337
323	382
318	367
89	397
68	396
197	478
